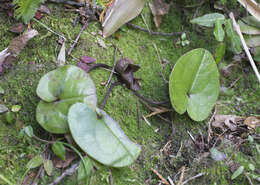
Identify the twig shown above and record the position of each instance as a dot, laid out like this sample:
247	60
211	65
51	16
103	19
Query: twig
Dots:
37	176
149	31
209	124
67	172
72	3
50	30
182	175
111	178
149	101
164	181
249	180
107	94
138	115
77	39
152	32
192	178
113	69
42	140
237	29
170	180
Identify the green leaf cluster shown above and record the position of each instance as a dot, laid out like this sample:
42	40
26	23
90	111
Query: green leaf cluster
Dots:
26	9
69	105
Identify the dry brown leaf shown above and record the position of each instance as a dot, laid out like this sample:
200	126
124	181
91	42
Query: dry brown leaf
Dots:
252	122
14	48
59	163
252	7
159	8
230	121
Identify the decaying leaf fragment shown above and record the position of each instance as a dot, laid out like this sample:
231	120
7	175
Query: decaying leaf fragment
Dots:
252	122
159	8
252	7
229	121
14	49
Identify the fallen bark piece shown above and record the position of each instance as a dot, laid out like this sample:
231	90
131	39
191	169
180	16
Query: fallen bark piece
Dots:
15	47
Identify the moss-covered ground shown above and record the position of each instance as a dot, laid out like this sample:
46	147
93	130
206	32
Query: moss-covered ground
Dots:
39	56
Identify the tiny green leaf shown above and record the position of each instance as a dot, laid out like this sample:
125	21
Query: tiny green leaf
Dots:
59	150
83	172
251	167
9	116
101	137
208	20
233	37
48	166
250	139
194	84
29	131
220	52
16	108
35	162
238	172
219	32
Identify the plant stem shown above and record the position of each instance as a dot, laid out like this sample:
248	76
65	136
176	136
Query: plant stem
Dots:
237	29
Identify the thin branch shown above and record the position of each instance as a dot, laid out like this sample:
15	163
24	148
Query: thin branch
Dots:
113	69
237	29
152	32
67	172
77	39
192	178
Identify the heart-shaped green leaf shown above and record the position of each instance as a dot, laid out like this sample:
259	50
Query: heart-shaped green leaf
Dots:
101	137
194	84
59	89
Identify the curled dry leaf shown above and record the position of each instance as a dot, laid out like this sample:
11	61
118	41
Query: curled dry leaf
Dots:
159	8
229	121
252	122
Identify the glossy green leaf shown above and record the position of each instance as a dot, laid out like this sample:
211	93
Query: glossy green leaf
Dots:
238	172
16	108
233	37
219	32
246	29
9	116
35	162
48	167
84	173
59	89
29	131
208	20
101	137
194	84
59	150
220	52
